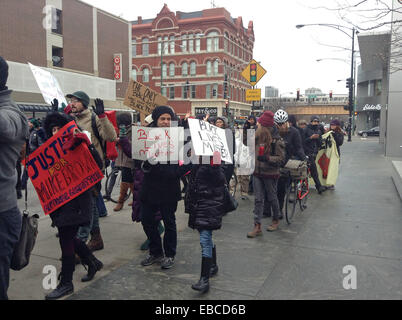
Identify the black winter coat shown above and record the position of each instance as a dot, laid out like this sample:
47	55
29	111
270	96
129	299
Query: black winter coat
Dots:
339	137
294	145
205	198
312	146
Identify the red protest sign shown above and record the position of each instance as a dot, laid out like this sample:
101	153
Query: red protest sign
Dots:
60	176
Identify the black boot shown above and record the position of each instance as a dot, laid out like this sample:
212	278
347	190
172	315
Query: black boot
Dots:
94	265
214	266
89	261
65	287
203	284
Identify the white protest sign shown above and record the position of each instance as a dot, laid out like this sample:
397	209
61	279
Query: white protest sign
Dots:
161	144
207	139
48	85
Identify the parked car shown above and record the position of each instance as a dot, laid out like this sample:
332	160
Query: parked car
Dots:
372	132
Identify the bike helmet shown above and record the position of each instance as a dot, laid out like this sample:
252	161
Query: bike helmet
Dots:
280	116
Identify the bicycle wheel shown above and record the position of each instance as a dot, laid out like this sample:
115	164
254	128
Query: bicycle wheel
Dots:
113	183
233	185
290	202
304	194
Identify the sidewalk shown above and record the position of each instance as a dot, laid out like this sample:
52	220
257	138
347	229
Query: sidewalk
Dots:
358	224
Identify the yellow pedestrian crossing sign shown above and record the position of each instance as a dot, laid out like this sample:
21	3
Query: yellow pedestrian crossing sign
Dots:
253	72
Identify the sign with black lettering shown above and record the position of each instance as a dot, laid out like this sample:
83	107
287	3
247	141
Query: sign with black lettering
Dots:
205	111
207	139
58	175
143	99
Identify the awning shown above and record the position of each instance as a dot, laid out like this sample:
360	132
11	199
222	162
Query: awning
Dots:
34	108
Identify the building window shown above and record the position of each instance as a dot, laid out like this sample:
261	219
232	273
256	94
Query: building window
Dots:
208	91
165	45
209	68
145	75
164	91
171	91
197	44
159	46
56	21
57	57
184	43
184	69
216	67
378	87
145	47
164	70
134	48
215	91
134	74
193	88
171	69
185	89
193	68
172	44
191	42
370	88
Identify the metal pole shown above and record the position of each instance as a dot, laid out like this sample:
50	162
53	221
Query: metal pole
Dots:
162	67
351	89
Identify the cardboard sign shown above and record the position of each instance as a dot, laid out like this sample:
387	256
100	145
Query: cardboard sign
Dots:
161	144
143	99
207	139
48	85
60	176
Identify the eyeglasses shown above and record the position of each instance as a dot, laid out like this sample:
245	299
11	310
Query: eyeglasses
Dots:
73	100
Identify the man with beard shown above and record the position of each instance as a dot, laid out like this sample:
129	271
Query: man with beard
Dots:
312	143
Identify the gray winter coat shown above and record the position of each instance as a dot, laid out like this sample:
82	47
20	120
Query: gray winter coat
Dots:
13	134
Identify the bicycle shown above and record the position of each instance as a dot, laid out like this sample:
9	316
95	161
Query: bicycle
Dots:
112	184
297	192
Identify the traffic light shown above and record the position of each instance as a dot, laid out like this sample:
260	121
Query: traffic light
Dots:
355	113
214	92
330	94
298	95
225	87
253	72
349	83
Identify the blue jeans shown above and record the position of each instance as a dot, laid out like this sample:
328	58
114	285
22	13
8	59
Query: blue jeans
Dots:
100	204
206	243
150	225
10	230
84	231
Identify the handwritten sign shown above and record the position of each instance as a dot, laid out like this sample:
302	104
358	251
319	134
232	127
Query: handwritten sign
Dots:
162	144
60	176
207	139
143	99
48	85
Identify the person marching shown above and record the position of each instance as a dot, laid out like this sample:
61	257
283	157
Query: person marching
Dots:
270	154
72	215
205	202
336	132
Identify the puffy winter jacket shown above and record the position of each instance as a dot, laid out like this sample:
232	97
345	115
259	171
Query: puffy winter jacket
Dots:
205	198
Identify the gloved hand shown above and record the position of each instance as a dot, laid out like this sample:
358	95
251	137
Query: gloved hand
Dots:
99	109
73	140
262	158
122	131
55	105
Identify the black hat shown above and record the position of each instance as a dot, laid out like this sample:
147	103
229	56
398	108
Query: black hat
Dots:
158	111
82	96
3	74
55	119
314	118
292	119
124	118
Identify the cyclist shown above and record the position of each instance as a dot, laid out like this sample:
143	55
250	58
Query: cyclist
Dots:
293	150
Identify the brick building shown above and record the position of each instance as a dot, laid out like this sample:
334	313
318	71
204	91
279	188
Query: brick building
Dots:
188	56
73	40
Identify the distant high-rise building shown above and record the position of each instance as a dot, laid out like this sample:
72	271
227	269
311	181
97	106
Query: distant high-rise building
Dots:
271	92
313	92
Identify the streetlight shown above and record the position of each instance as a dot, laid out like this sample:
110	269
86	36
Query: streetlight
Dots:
351	89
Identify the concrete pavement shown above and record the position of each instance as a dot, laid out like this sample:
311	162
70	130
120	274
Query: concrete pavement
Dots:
358	224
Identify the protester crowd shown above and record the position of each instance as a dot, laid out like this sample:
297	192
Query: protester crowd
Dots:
156	187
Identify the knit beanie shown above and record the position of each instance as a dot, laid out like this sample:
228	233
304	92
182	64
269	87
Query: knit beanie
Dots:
314	118
3	74
124	118
292	120
335	122
158	111
34	122
55	119
266	119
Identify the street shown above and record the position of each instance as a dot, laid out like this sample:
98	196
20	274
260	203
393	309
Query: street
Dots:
358	226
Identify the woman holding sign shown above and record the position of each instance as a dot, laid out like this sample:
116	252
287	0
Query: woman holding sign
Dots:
72	215
270	153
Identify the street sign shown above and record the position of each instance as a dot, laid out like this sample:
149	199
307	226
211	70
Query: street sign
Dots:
117	67
253	72
253	95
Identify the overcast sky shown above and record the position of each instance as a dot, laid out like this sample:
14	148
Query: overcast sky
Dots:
288	54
